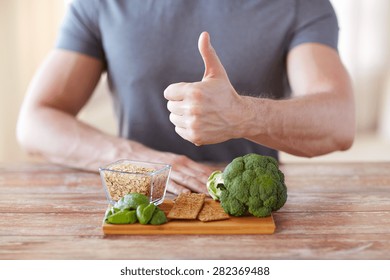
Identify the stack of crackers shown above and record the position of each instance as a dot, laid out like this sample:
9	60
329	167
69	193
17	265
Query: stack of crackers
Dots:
191	206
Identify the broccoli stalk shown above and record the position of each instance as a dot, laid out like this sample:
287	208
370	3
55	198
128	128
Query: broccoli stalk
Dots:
214	184
252	183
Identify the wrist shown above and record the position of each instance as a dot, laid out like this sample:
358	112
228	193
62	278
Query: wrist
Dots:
128	149
255	113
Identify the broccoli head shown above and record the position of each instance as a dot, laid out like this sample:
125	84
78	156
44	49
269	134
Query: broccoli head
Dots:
252	183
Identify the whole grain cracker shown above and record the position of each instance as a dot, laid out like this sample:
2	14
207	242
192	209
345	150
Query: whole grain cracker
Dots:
187	206
212	211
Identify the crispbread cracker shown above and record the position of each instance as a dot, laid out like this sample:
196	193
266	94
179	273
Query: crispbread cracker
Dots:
187	206
212	211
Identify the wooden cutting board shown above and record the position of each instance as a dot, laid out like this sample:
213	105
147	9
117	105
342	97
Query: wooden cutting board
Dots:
233	225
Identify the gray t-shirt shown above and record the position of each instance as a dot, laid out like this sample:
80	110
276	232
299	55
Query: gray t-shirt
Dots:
147	45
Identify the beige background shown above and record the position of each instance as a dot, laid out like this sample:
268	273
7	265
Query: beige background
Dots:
28	29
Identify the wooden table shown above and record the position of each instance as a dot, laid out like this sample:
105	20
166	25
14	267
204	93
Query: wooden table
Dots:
334	211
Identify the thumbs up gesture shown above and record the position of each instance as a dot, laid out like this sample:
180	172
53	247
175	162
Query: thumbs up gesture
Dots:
209	111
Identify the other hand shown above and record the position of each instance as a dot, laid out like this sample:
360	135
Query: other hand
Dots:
186	174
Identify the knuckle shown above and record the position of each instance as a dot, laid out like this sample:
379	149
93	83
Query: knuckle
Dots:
194	136
169	106
167	91
195	94
194	125
181	160
198	95
186	179
171	118
195	110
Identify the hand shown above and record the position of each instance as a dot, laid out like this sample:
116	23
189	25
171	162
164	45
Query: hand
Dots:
208	111
186	175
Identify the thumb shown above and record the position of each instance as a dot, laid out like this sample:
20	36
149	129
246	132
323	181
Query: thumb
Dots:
212	64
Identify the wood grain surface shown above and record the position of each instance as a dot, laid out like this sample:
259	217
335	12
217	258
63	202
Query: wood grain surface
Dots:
334	211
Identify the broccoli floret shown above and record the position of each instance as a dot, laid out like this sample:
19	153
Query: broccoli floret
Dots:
252	183
231	205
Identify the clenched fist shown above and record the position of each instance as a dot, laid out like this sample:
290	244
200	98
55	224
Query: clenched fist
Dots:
209	111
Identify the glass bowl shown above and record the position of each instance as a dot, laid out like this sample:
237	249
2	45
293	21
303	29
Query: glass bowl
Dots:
127	176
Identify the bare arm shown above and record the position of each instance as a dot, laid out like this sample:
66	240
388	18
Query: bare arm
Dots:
319	118
48	125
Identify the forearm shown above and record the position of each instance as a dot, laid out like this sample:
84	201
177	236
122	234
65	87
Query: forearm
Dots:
61	138
310	125
48	125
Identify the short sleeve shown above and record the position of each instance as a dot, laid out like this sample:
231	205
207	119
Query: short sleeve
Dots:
315	22
80	30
